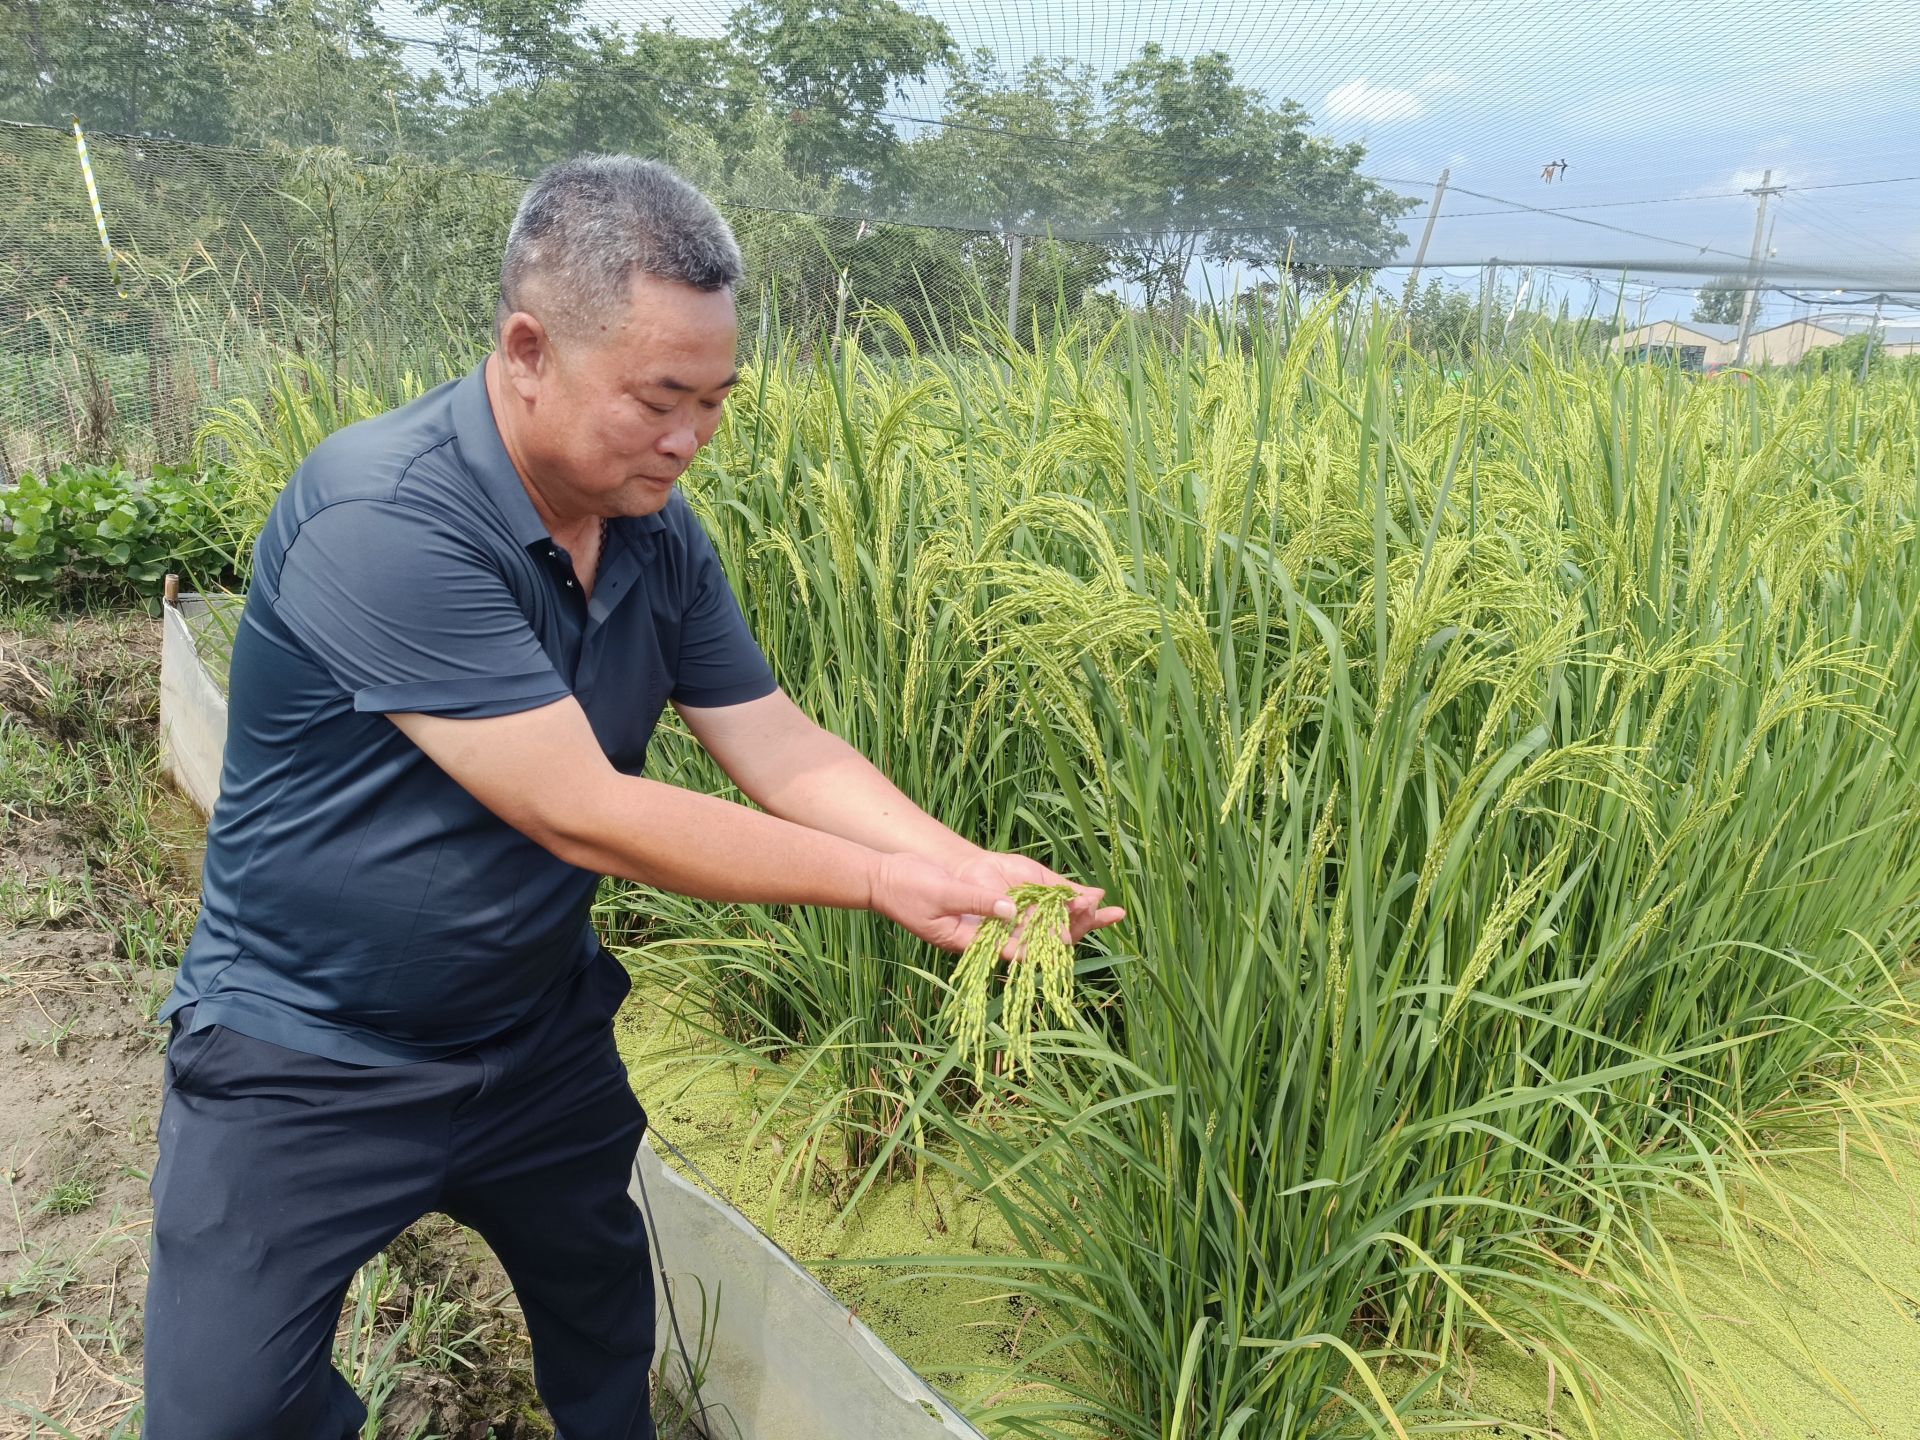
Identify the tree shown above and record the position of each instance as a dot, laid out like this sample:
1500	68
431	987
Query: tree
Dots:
1013	154
1198	165
119	65
832	66
1720	301
1444	323
1018	156
525	84
322	72
295	71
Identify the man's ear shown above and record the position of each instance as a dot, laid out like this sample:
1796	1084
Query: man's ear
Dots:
526	350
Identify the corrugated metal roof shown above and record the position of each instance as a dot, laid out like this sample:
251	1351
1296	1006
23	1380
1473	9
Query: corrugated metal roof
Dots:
1901	333
1723	333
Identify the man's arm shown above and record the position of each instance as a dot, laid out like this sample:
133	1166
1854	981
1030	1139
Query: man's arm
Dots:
543	772
794	769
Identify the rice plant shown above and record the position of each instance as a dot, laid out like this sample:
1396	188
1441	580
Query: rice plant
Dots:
1505	777
1042	977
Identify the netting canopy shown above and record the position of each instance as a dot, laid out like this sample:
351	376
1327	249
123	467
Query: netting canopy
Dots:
339	173
1607	135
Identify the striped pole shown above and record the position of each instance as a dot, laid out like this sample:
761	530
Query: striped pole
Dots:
93	198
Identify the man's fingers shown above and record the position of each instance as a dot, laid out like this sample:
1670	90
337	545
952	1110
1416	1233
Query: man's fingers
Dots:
1099	920
987	902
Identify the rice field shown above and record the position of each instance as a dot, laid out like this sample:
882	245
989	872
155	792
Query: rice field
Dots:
1508	777
1508	780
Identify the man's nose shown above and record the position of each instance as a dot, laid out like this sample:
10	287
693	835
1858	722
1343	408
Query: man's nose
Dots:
680	442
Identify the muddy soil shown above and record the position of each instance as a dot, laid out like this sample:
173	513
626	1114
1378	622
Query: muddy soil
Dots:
82	809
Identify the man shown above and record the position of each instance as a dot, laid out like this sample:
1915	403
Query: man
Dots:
465	619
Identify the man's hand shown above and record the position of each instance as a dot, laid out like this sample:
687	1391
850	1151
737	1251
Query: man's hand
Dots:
932	902
1001	872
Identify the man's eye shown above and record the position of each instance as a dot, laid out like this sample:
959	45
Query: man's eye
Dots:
658	409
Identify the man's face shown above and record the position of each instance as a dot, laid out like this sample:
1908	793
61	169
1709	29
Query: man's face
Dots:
617	415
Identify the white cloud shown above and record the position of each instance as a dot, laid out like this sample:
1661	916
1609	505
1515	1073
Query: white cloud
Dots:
1357	100
1747	177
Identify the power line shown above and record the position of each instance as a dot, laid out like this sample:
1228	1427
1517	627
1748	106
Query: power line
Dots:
1834	229
1847	184
1598	224
1591	205
1673	199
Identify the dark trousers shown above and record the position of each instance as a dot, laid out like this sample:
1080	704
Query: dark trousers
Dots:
281	1173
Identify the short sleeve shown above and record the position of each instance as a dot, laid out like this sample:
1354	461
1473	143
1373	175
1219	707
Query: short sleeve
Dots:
407	613
720	661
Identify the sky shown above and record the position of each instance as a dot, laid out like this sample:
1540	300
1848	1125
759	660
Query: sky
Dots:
1665	114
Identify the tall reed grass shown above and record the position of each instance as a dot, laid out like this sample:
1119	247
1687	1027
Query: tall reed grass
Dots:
1508	781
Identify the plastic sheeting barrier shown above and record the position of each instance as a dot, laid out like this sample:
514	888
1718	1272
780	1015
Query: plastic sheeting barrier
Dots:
193	707
786	1360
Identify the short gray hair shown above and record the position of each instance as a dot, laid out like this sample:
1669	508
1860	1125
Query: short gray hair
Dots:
586	225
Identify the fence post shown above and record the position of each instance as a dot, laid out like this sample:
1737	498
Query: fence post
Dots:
1013	289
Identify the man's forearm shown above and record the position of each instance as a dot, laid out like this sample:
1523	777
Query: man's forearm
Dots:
830	786
712	849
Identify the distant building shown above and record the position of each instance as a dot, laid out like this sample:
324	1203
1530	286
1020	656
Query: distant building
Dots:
1896	337
1692	344
1696	345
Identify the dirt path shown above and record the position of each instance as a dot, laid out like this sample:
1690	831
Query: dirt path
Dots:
78	1097
99	871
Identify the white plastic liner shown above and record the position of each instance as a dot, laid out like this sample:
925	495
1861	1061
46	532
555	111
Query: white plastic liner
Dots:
193	707
782	1358
785	1359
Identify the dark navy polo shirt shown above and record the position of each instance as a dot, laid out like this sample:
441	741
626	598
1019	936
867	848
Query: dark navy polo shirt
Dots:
357	902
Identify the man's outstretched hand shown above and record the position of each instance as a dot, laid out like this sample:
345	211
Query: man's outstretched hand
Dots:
939	906
1000	872
944	907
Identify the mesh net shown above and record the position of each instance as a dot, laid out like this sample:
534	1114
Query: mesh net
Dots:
332	179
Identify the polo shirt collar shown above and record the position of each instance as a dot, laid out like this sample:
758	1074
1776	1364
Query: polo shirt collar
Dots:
487	461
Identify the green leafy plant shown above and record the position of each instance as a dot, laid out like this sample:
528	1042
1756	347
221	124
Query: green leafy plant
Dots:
92	533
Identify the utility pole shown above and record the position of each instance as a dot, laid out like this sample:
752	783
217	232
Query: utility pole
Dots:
1867	355
1766	191
1489	273
1420	255
1519	299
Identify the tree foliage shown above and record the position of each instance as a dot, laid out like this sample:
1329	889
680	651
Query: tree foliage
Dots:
1720	301
1443	323
790	119
1170	163
833	66
1202	166
296	72
1025	152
